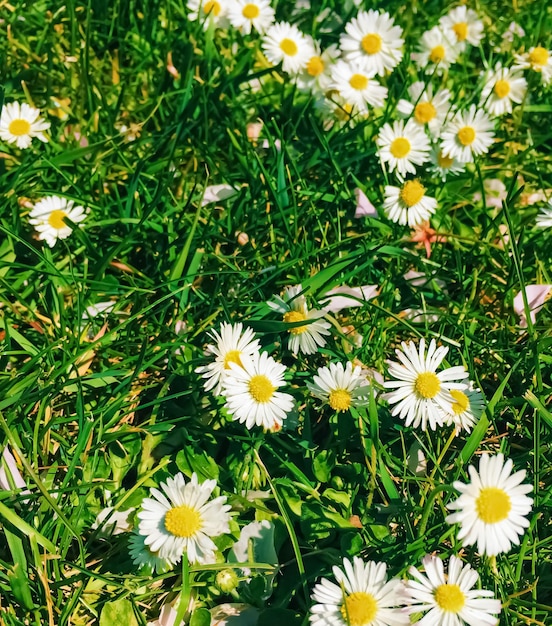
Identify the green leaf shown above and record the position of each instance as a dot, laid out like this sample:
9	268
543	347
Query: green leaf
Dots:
270	617
200	617
322	466
117	613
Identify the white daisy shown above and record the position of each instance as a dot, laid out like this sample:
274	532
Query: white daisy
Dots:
251	395
544	218
357	86
232	343
467	408
285	43
425	108
340	387
373	40
208	12
469	133
444	165
143	557
436	52
449	599
180	518
539	60
248	15
20	123
421	395
462	25
408	204
316	78
362	597
403	146
48	218
491	510
308	337
503	88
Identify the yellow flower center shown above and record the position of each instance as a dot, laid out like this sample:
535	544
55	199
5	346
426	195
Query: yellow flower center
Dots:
18	128
358	81
344	112
232	356
444	161
182	521
359	609
56	219
339	400
250	11
539	56
450	598
424	112
427	385
315	66
461	402
492	505
501	88
466	135
437	54
371	43
460	30
261	388
412	192
399	147
211	7
296	316
289	47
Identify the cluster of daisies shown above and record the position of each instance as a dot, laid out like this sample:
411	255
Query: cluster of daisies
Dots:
52	216
180	519
491	512
350	81
249	379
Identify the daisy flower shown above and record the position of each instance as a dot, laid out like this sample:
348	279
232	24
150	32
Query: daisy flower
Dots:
48	218
436	52
208	12
544	218
340	387
248	15
143	557
539	60
421	395
462	26
425	108
469	133
316	78
491	510
232	343
250	391
408	204
285	43
442	165
373	40
180	518
20	123
503	88
362	597
357	86
403	146
449	598
308	337
466	410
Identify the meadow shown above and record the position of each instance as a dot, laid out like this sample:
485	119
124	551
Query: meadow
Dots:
275	322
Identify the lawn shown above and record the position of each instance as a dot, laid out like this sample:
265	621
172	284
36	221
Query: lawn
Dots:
275	322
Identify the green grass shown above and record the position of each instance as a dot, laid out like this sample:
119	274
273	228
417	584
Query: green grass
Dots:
96	413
